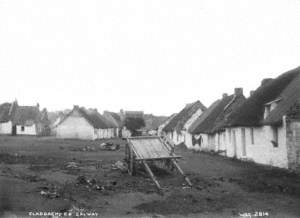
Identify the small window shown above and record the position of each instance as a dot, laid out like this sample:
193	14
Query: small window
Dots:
275	137
229	134
252	136
22	128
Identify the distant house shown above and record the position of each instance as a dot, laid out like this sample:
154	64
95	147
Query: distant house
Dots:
23	120
208	130
116	121
166	122
266	128
176	128
84	123
127	115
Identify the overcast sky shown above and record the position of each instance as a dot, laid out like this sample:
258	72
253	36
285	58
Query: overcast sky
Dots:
152	55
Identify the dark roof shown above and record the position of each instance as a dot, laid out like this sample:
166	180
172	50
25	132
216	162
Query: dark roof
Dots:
27	115
286	88
193	128
21	115
215	117
113	118
5	112
92	116
178	121
134	114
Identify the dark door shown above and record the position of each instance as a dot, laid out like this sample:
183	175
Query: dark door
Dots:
14	130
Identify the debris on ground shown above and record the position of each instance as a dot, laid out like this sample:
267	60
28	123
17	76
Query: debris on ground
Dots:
93	184
72	165
119	165
49	192
109	146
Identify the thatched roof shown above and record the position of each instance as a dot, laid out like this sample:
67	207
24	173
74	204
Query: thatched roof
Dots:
215	117
92	116
179	120
113	118
22	115
197	123
7	112
27	115
285	88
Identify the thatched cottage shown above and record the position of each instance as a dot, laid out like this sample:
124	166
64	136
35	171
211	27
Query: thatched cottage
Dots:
208	130
23	120
115	119
84	123
162	126
176	128
266	128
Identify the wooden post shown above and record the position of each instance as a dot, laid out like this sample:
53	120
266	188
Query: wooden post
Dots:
130	160
181	172
151	175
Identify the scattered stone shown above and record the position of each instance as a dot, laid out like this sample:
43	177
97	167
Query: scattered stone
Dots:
119	165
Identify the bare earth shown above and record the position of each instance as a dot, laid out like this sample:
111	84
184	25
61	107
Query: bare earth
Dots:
51	175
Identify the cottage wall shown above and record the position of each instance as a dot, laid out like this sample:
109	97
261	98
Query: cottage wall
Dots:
293	144
75	126
261	150
6	128
188	136
27	130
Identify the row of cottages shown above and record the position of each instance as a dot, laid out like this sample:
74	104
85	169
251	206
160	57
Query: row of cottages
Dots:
207	132
23	120
86	124
265	128
176	128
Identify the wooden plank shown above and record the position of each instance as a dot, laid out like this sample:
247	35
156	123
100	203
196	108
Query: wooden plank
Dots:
160	158
181	172
151	175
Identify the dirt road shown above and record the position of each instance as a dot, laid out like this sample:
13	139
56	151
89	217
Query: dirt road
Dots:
50	175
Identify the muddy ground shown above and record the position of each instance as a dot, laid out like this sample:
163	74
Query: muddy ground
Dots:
51	175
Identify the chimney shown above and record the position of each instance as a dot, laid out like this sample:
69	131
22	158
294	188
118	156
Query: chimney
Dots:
38	105
238	91
265	81
225	95
76	107
252	92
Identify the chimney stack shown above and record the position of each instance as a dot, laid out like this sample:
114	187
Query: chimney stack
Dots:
265	81
238	91
225	95
76	107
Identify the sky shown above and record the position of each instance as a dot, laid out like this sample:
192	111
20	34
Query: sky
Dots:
151	55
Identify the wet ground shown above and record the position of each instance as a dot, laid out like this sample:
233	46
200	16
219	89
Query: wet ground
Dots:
50	175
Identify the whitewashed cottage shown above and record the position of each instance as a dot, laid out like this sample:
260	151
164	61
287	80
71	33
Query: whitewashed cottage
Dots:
208	131
86	124
177	126
22	120
266	128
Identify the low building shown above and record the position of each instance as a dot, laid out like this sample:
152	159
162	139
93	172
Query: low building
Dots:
116	121
208	131
86	124
23	120
177	126
266	128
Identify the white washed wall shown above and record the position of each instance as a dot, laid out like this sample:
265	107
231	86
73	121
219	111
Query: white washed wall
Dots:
28	130
262	151
6	128
75	127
